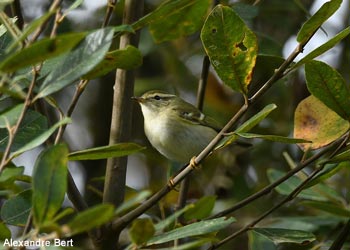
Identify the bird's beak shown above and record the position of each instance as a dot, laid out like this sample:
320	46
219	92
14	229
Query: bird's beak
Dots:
138	99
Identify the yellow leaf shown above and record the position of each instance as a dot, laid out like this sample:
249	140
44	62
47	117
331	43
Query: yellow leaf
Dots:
314	121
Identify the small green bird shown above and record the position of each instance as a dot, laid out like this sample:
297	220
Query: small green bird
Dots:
176	128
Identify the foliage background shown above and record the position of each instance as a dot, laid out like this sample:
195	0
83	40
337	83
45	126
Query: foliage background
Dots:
175	66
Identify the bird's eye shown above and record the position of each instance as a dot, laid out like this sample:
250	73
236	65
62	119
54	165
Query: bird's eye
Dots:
157	97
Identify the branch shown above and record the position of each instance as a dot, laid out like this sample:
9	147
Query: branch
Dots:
41	28
121	113
12	131
290	197
109	12
203	82
341	238
281	71
270	187
200	101
17	11
293	194
115	177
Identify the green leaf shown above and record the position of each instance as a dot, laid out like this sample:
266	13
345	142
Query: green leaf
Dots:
4	27
328	171
196	244
118	30
256	119
128	58
40	139
141	230
316	20
95	216
343	156
5	233
15	211
79	62
3	30
137	199
231	47
318	193
194	229
49	183
180	22
32	126
323	48
62	214
10	117
104	152
332	208
259	242
163	224
246	11
275	138
308	223
246	126
17	84
201	209
166	9
73	6
290	185
9	174
329	86
314	121
281	235
42	50
3	3
30	28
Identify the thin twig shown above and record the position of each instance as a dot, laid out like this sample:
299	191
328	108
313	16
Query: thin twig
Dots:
200	101
10	26
41	28
57	22
109	12
203	82
12	131
79	90
341	238
281	71
17	11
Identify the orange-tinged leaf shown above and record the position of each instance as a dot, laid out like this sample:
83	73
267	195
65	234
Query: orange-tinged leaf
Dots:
231	46
314	121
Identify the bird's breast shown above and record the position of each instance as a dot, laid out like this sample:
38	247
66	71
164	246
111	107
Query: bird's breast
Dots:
177	140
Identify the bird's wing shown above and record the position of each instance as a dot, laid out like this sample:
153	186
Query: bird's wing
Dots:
197	117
